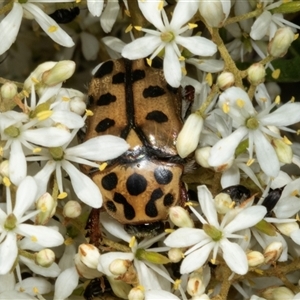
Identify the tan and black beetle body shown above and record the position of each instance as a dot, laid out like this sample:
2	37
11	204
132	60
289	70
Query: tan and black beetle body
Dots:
131	100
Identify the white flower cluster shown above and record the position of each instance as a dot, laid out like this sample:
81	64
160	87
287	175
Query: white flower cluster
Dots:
241	237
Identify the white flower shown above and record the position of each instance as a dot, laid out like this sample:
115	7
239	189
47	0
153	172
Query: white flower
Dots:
10	25
254	126
95	7
100	148
169	38
16	129
215	235
12	224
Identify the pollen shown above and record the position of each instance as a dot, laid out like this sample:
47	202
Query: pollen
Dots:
35	80
65	99
225	108
296	36
33	239
127	12
277	100
209	79
181	58
161	5
62	195
240	103
149	61
35	290
43	115
183	70
292	99
138	28
6	181
286	141
250	162
89	113
37	150
177	283
52	28
190	203
103	166
132	242
295	193
169	230
68	241
276	73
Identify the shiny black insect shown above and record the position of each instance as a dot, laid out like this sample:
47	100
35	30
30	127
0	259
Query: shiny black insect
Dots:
64	16
237	193
271	200
96	288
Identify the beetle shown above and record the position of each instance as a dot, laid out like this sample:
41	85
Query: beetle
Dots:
132	100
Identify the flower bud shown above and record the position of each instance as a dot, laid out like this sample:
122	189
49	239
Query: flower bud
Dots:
256	73
119	266
78	106
62	71
4	168
180	217
278	293
8	90
287	228
72	209
255	258
188	137
195	286
47	206
225	80
175	255
89	255
280	43
202	297
83	270
213	12
136	293
273	252
223	203
45	258
202	155
283	150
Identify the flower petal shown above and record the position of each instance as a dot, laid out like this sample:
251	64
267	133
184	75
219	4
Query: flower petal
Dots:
109	16
45	236
183	13
17	163
261	25
84	187
68	118
100	148
196	259
95	7
152	12
55	32
9	27
8	252
160	294
234	256
172	68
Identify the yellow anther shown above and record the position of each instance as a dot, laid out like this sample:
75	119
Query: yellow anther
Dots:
225	108
33	239
177	283
259	271
35	290
169	230
298	132
102	166
68	241
192	25
183	70
65	98
132	242
138	28
240	103
286	141
277	100
37	150
33	79
213	261
127	12
295	193
25	93
276	73
52	29
43	115
88	113
149	61
62	195
250	162
292	99
161	5
181	58
296	36
190	203
6	181
128	28
209	79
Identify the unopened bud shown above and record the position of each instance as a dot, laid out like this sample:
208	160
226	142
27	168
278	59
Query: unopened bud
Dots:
77	104
83	270
4	168
47	206
256	73
278	293
119	266
287	228
89	255
281	42
223	203
175	255
188	137
72	209
202	155
213	12
136	293
195	286
273	252
180	217
225	80
8	90
45	258
255	258
62	71
283	150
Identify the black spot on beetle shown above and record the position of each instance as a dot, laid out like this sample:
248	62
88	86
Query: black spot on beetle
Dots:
137	75
106	99
157	116
128	209
109	181
157	63
136	184
168	200
105	69
118	78
153	91
163	175
110	206
104	124
150	209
